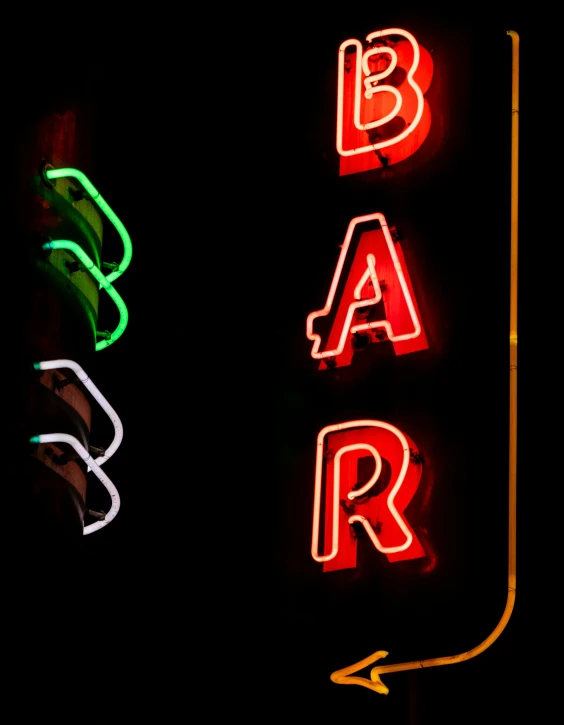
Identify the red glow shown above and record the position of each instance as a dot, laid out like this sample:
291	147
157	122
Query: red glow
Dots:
377	273
382	116
379	508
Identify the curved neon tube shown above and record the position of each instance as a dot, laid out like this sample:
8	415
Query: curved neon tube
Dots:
369	274
371	88
351	495
104	207
340	92
96	394
343	676
87	458
383	74
355	305
102	280
337	496
336	492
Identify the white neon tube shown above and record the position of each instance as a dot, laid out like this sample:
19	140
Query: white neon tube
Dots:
370	273
336	492
87	458
96	394
371	88
351	495
371	262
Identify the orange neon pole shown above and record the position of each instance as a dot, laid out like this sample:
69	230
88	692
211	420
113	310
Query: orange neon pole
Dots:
343	676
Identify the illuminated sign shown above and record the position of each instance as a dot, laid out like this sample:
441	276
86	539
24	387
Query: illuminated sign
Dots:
375	502
340	447
382	115
85	263
91	193
376	299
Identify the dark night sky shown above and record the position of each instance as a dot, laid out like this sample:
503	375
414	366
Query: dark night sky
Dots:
225	174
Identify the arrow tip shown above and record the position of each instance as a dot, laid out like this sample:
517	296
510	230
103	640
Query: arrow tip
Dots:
378	685
343	677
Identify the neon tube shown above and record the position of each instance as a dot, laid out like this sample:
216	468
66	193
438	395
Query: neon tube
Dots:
362	65
336	492
102	280
371	79
371	261
337	497
369	274
105	208
351	495
343	676
96	394
370	85
390	501
91	463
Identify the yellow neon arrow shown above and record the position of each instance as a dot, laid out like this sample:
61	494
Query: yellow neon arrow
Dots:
343	677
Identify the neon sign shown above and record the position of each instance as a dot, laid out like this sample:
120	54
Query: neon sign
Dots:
382	115
108	337
334	451
93	466
349	500
377	274
116	269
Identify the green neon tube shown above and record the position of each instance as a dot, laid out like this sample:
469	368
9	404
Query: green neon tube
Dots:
102	280
95	196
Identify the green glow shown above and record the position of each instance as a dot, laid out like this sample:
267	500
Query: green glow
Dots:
95	196
34	439
102	280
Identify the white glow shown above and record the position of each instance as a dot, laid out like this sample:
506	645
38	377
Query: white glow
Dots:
363	67
87	458
370	84
336	493
370	273
351	495
97	395
360	303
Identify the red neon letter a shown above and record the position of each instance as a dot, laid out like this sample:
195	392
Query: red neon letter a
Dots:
375	260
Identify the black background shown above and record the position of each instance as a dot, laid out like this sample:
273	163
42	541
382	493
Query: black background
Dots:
215	146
